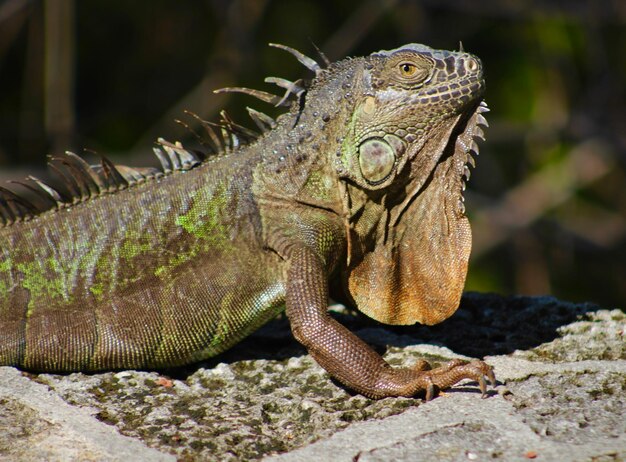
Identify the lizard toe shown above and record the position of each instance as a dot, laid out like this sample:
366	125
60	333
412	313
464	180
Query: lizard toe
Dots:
421	365
457	370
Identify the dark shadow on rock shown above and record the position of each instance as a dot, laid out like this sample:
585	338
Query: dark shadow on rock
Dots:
484	324
491	324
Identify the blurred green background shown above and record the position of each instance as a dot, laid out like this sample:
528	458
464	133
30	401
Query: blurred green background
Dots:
547	200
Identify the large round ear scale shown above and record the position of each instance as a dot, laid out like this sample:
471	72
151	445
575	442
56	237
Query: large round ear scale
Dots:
376	160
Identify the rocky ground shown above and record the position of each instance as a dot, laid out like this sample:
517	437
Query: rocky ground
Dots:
561	369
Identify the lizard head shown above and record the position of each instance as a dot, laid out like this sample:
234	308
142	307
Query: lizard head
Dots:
403	163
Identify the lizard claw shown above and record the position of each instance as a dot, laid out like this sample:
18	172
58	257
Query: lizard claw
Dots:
457	370
482	372
482	384
491	376
430	391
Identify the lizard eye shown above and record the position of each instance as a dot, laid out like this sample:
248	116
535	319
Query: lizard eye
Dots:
407	70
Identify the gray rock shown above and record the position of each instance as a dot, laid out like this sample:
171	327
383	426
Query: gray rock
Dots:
36	424
562	367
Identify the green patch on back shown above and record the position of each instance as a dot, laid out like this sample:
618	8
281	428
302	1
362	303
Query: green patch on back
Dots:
118	268
206	221
205	217
5	275
5	266
46	281
135	244
97	290
174	262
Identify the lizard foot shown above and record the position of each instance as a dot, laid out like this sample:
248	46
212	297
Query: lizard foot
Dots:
455	371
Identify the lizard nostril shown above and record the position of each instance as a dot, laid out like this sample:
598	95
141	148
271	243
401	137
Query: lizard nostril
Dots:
471	64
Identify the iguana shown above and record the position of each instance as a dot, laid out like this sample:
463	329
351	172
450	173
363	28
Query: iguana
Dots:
360	183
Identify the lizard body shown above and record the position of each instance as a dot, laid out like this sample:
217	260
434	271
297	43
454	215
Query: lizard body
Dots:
360	181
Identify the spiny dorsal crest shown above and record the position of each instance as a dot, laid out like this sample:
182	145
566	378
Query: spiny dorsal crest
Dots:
292	89
82	181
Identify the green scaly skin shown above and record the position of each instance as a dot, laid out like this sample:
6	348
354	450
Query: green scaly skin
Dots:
360	181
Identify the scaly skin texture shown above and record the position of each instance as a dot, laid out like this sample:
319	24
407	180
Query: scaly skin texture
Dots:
360	182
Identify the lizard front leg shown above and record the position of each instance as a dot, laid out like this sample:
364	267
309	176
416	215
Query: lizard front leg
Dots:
346	357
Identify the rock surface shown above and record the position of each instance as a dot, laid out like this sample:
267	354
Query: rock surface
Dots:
562	369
